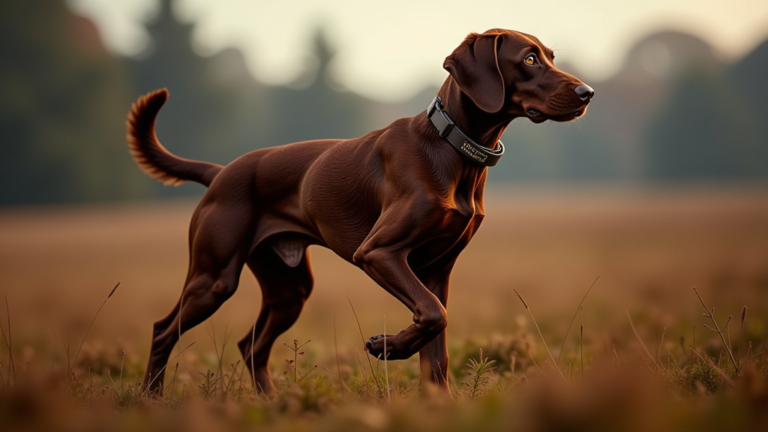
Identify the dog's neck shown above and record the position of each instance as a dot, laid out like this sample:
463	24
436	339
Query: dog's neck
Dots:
485	128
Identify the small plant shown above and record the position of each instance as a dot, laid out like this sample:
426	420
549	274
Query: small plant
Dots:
700	374
293	365
711	315
129	396
222	386
208	386
479	372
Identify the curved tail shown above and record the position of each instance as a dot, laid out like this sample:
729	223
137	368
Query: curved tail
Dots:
151	156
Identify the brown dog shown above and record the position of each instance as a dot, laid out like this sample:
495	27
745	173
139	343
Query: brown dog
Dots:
401	203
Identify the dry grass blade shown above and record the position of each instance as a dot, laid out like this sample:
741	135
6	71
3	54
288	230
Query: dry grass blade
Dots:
122	363
671	358
386	370
693	346
579	308
728	321
74	361
250	354
50	352
616	357
230	382
109	374
534	362
336	350
219	352
581	344
9	343
362	338
540	334
79	384
362	371
631	324
173	383
741	331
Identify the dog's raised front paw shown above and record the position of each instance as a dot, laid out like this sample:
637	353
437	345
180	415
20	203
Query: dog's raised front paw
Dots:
375	346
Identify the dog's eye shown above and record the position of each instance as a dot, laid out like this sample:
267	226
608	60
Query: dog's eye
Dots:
530	60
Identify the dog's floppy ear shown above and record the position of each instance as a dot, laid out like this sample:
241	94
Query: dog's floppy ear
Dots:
474	65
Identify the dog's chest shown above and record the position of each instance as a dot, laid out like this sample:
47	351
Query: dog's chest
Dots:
448	240
462	217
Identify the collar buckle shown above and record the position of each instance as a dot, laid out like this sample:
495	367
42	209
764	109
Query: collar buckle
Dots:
444	123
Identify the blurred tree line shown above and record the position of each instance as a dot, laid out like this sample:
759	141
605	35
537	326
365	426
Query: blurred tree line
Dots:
673	112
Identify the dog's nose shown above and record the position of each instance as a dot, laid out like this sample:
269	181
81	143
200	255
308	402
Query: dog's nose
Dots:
584	92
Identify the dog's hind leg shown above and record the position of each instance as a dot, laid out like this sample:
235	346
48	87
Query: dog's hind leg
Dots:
216	260
284	290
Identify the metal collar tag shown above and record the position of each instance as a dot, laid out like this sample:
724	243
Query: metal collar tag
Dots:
468	148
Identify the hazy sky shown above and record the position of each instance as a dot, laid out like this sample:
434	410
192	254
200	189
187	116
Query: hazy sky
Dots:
388	50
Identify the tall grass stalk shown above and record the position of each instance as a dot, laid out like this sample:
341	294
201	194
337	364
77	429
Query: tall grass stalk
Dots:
173	383
219	378
386	370
631	324
336	350
74	361
250	355
50	353
661	344
671	358
693	346
579	308
69	362
362	338
741	331
534	361
109	374
581	344
540	335
122	363
9	343
362	371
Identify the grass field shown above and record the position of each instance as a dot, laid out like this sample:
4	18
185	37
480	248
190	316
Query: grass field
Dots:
649	248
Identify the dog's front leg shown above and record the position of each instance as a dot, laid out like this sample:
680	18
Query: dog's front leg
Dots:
433	357
384	257
436	277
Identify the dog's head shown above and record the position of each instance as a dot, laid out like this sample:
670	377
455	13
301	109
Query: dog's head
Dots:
512	72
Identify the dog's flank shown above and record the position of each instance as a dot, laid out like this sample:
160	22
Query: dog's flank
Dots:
151	156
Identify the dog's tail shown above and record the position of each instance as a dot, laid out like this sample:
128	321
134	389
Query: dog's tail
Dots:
151	156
